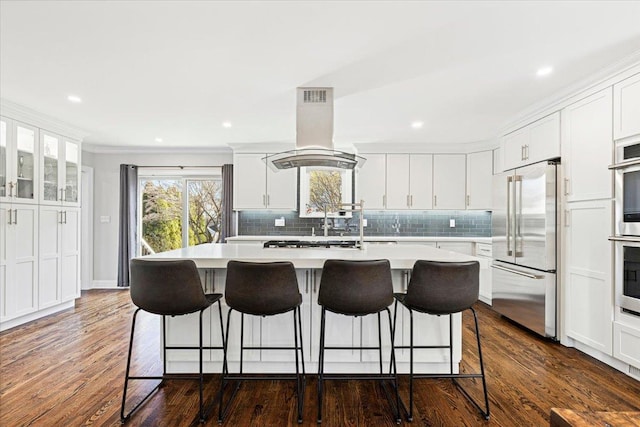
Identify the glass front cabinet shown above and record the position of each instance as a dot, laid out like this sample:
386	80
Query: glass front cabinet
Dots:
60	166
18	162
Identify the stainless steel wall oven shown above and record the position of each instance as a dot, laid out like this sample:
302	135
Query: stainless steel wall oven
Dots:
627	189
628	276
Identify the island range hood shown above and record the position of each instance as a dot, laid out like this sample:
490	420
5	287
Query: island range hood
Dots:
314	135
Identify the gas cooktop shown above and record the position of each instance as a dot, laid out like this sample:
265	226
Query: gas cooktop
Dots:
310	244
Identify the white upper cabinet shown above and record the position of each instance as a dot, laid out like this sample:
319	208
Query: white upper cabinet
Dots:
409	181
497	161
371	180
533	143
397	188
479	180
587	147
258	187
60	166
449	181
626	108
421	181
18	162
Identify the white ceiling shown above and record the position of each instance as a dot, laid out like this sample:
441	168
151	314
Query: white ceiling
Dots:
177	70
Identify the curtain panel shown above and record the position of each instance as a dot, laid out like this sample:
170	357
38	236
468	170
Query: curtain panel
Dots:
128	233
227	229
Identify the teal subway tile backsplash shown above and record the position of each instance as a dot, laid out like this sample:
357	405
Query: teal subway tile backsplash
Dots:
379	223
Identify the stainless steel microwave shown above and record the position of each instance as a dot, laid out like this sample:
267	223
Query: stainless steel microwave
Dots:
627	190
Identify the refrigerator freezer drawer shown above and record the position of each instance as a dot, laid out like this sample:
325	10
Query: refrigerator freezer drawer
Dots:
525	296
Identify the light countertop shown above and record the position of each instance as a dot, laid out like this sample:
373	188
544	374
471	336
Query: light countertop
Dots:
400	256
416	239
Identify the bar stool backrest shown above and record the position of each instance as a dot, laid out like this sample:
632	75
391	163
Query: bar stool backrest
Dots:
262	288
356	288
169	288
443	287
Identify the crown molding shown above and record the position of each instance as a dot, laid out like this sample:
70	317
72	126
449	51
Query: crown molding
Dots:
27	115
118	149
606	77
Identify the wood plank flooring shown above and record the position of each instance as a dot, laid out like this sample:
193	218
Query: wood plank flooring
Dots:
67	370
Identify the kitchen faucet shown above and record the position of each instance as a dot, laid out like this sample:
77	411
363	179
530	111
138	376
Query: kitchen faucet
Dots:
326	225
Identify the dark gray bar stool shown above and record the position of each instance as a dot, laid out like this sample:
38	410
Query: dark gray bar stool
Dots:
168	288
443	288
356	288
263	289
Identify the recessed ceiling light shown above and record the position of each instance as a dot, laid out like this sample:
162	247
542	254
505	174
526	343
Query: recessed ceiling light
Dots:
226	124
544	71
417	125
74	98
158	139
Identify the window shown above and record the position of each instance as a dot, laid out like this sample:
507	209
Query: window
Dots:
324	187
168	202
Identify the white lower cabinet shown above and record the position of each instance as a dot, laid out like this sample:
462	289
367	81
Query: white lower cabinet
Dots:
588	299
626	344
59	255
461	247
18	260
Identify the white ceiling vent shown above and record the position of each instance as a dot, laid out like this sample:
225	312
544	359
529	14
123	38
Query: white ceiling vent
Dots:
315	96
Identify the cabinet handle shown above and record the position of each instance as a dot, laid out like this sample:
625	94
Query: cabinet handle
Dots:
468	198
315	284
411	200
435	201
9	211
566	186
268	200
264	200
15	217
526	151
408	204
384	200
567	216
306	282
65	217
60	220
10	189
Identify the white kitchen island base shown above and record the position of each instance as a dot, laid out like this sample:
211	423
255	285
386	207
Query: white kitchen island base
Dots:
342	330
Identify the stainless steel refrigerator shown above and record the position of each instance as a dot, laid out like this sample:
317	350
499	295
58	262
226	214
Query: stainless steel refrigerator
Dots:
524	234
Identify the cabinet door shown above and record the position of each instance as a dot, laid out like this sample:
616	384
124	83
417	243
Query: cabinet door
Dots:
513	148
588	281
71	174
282	188
626	107
479	179
4	262
250	182
371	181
25	163
6	154
461	247
49	258
70	254
22	261
449	180
421	181
397	186
544	140
587	148
50	166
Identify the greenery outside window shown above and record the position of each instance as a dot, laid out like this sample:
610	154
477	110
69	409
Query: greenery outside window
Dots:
320	187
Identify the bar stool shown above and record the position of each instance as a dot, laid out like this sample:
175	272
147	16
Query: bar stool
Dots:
168	288
443	288
356	288
263	289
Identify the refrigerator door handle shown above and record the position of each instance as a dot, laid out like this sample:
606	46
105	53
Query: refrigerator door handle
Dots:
520	273
509	181
518	217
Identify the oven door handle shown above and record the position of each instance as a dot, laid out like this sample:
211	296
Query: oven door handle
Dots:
624	239
626	164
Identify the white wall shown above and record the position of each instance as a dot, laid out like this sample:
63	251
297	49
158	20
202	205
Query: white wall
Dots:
106	201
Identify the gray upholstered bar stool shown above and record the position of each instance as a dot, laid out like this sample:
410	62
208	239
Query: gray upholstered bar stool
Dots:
263	289
356	288
443	288
168	288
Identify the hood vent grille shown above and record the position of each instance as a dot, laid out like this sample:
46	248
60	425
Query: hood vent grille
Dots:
314	135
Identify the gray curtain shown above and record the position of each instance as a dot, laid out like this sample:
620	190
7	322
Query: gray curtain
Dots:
227	229
128	233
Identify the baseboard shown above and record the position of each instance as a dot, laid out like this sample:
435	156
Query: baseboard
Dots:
35	315
605	358
105	284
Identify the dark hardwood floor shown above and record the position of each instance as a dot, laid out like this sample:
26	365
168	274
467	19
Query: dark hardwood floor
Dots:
67	370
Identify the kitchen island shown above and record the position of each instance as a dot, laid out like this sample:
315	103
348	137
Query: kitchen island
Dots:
211	260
